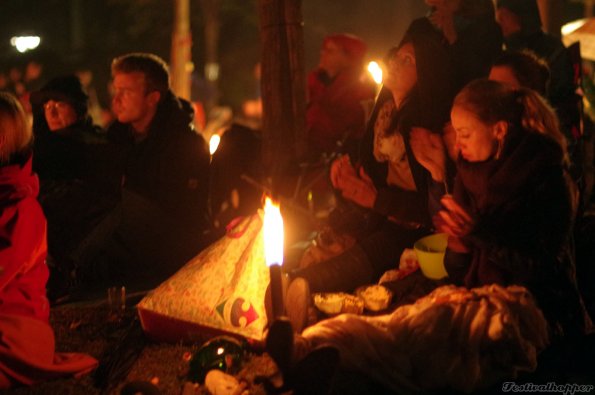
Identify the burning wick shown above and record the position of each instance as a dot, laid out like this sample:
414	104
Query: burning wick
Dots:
273	242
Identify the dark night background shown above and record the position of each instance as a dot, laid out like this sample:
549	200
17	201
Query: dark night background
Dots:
89	33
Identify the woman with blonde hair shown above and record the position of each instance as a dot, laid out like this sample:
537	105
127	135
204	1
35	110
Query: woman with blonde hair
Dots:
27	354
510	218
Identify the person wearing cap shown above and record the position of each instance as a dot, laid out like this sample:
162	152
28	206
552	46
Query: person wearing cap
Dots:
165	170
79	184
336	90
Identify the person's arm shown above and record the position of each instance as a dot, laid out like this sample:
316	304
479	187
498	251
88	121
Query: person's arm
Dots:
389	201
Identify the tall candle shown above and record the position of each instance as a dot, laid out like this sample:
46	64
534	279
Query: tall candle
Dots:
273	242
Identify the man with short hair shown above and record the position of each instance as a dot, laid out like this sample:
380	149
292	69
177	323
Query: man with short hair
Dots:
165	168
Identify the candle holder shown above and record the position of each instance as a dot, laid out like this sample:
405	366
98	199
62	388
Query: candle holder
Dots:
276	288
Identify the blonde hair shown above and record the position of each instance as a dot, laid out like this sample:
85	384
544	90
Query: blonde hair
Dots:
493	101
15	132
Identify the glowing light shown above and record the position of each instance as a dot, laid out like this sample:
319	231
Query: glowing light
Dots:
573	26
220	350
214	143
376	71
273	233
25	43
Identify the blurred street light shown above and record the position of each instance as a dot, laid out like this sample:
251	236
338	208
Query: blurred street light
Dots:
25	43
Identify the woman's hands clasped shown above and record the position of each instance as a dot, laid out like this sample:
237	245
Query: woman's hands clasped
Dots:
354	185
455	221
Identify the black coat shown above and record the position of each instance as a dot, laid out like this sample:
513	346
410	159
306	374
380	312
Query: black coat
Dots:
170	166
79	182
523	217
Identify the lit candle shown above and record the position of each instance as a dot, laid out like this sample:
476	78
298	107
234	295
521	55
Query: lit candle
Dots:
273	242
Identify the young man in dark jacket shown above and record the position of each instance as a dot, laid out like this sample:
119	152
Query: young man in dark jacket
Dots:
165	165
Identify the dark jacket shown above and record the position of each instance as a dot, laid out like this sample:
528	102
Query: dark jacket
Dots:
428	106
79	182
479	42
170	166
79	151
522	207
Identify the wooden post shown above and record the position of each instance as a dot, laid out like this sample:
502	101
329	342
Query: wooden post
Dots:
210	10
181	57
283	85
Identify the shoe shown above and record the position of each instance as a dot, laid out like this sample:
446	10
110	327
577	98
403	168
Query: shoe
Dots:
297	303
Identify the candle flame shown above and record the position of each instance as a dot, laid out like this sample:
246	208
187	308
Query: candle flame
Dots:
214	143
376	71
273	233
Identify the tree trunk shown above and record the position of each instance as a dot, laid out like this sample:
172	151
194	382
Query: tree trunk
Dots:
283	85
181	58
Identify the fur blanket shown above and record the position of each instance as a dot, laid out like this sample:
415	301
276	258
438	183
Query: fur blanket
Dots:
458	338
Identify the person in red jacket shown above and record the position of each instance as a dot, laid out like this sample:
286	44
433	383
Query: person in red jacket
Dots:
27	354
337	88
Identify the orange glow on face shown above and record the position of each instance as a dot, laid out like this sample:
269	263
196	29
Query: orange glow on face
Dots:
273	233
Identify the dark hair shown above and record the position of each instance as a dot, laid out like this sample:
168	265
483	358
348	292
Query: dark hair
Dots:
530	70
152	66
493	101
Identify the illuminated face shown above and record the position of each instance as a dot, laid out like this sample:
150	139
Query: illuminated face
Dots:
401	74
476	141
131	103
505	75
59	114
332	58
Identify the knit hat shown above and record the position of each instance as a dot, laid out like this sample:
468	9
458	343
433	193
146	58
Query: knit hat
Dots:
67	88
526	10
354	47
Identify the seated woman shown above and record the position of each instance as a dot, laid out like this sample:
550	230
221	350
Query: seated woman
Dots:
79	183
27	353
387	181
510	219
